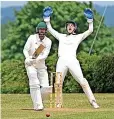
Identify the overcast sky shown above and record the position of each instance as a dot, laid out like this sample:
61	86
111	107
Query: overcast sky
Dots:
21	3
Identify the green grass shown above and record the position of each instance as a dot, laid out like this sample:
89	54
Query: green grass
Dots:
14	106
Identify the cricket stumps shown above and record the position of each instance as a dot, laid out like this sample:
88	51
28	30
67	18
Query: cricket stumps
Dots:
58	99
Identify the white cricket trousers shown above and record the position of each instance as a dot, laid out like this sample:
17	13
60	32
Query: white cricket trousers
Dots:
37	78
72	64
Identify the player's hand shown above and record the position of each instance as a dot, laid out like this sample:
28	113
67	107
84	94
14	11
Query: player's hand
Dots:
89	15
47	12
29	61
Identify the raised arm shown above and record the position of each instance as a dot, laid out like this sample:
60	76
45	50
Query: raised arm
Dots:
89	31
46	16
89	15
52	31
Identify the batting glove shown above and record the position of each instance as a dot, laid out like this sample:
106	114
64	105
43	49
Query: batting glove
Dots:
89	15
29	61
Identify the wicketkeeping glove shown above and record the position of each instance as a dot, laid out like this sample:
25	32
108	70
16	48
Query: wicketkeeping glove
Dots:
88	13
47	12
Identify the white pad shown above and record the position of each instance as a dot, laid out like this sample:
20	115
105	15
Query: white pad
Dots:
45	91
87	91
36	97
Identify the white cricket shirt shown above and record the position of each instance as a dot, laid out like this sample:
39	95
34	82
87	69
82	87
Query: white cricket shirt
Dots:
32	44
68	44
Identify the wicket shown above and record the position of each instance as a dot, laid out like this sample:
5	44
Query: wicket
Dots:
57	89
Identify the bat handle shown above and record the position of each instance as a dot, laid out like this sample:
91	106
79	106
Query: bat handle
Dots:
33	57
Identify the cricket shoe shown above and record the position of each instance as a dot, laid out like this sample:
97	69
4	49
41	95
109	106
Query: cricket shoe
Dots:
38	108
94	104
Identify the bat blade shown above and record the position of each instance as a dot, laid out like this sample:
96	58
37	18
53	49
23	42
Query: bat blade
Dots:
38	51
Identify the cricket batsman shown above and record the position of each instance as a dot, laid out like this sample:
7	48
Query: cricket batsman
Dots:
68	44
36	51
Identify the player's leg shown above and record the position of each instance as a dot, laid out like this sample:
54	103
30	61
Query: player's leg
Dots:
34	88
44	82
43	77
62	67
61	70
75	70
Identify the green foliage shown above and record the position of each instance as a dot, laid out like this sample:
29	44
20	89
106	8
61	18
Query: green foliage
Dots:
31	14
104	43
51	62
112	31
99	71
103	78
4	31
14	77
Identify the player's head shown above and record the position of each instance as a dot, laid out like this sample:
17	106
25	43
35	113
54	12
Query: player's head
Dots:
71	27
41	29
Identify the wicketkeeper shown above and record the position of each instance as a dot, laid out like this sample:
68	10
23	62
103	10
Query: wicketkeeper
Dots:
36	50
68	44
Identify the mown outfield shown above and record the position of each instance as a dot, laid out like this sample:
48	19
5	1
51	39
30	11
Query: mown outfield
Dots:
76	106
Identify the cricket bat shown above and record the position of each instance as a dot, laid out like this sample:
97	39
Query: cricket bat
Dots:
38	51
